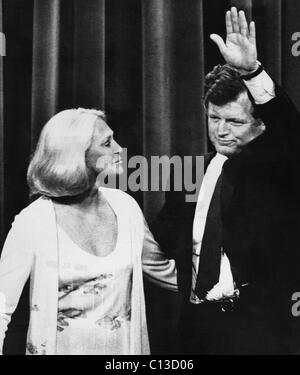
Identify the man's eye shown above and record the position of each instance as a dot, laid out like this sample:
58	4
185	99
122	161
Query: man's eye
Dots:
214	118
107	144
236	123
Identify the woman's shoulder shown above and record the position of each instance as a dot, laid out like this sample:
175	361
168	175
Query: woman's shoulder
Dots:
33	210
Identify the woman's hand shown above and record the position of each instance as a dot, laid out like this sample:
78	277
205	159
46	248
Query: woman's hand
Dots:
240	48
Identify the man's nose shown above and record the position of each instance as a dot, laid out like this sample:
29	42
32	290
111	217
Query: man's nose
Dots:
223	128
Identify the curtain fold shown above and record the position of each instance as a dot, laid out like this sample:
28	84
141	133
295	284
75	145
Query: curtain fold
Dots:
89	54
68	58
268	17
45	64
290	63
173	69
158	86
17	19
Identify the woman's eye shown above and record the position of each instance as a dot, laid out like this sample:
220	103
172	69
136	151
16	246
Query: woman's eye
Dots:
107	144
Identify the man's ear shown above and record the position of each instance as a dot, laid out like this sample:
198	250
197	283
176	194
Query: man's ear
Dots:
259	123
205	107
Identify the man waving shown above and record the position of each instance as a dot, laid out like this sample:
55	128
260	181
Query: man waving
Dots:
238	246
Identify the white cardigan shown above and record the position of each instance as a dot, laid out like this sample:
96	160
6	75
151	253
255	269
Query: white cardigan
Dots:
31	248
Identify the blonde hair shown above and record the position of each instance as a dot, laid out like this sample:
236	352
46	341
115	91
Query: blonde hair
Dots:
58	166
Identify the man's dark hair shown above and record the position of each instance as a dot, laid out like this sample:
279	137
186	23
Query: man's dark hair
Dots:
224	85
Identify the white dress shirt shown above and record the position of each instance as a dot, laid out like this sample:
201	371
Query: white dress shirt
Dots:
225	284
262	89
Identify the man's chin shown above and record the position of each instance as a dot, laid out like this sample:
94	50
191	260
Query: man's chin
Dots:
226	150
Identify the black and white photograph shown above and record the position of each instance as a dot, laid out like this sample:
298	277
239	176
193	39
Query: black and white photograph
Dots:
150	180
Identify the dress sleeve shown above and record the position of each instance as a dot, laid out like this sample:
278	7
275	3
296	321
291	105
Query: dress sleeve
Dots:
156	267
15	266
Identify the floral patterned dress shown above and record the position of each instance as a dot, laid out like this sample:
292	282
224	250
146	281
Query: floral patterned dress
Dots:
94	299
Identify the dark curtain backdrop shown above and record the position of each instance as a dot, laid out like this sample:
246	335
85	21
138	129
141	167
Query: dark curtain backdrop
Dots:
142	61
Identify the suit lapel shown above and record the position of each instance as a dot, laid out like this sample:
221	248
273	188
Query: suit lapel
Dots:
207	159
230	177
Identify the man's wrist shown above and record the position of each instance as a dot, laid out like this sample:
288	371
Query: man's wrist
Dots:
248	76
260	85
250	71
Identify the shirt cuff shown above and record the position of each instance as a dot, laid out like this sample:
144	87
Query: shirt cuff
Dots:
261	87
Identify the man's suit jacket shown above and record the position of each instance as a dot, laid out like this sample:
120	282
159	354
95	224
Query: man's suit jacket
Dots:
260	206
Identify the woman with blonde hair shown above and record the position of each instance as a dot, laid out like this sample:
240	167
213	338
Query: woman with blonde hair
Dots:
84	246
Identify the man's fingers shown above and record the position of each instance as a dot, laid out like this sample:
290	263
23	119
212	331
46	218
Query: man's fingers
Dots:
252	35
234	20
229	28
243	23
219	42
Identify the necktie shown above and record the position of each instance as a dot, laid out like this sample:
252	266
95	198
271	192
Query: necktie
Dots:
210	254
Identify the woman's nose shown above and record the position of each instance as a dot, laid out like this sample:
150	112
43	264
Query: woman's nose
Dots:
117	148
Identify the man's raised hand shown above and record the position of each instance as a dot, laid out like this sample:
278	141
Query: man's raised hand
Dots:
240	47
